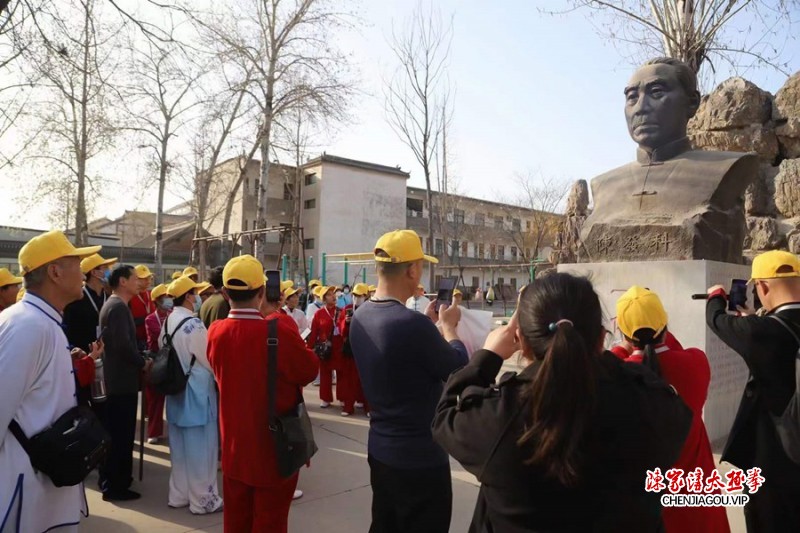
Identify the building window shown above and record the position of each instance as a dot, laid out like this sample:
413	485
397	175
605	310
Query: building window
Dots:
308	244
480	251
310	204
513	284
464	249
498	222
288	191
310	179
479	219
501	281
458	216
514	252
247	185
493	251
516	224
454	248
475	282
439	247
527	225
501	252
414	207
245	224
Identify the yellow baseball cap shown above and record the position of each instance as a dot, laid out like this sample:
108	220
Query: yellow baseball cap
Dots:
7	278
322	290
203	287
314	283
402	246
290	291
373	288
457	292
176	275
20	294
287	284
246	269
48	247
142	272
360	289
190	271
158	291
768	264
181	286
95	261
640	308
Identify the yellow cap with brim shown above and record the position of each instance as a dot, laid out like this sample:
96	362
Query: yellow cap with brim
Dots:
95	261
401	246
457	292
142	272
640	308
181	286
190	271
373	288
176	275
289	292
314	283
48	247
322	290
775	264
203	287
287	284
158	291
7	278
361	289
20	294
246	271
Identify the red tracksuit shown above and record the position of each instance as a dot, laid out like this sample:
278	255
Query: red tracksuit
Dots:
155	401
256	497
688	371
348	382
324	327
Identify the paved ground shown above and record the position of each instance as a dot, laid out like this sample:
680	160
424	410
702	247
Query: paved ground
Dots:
337	493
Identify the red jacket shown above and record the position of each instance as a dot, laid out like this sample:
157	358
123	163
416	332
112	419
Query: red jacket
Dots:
153	324
322	328
141	305
669	339
237	352
689	372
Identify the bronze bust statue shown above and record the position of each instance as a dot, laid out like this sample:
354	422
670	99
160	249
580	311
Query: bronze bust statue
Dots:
672	202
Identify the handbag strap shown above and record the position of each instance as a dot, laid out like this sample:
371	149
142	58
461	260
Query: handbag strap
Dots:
168	338
19	434
272	370
790	329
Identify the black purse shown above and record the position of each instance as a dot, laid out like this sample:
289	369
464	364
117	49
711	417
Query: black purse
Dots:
166	375
291	432
324	349
67	450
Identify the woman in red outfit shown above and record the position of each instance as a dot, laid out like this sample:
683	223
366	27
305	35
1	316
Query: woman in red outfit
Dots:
348	383
153	323
643	321
325	329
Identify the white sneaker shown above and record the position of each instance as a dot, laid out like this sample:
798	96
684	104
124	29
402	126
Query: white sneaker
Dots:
345	413
297	494
325	405
359	405
152	440
316	383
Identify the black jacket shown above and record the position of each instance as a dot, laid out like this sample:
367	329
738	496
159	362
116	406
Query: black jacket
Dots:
640	423
122	361
81	319
769	351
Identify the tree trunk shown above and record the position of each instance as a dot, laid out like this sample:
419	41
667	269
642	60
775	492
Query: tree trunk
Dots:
162	180
263	182
81	223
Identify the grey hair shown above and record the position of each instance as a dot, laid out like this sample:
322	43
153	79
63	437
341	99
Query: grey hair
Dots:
35	278
686	76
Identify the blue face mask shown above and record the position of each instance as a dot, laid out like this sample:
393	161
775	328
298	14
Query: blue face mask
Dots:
167	304
106	276
197	303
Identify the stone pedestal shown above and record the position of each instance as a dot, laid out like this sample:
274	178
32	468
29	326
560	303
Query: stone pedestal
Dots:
675	282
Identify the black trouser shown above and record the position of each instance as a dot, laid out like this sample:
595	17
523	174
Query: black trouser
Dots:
119	419
774	509
418	500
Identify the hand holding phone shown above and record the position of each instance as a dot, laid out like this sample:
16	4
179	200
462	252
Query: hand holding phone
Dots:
444	292
273	286
737	297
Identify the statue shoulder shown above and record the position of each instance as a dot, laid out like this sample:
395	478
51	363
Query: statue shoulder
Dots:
717	156
619	173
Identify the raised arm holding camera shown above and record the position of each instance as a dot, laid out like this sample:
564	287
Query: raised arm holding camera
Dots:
769	347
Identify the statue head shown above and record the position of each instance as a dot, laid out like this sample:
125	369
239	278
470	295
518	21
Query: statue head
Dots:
660	98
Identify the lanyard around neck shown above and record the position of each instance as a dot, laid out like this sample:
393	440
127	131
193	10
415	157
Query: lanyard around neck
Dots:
91	300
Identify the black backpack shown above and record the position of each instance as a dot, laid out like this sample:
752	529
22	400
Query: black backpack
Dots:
788	424
166	375
67	450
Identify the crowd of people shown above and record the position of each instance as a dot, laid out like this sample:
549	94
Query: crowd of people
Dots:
562	445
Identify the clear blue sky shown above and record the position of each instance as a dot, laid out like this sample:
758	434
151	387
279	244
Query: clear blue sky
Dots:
532	91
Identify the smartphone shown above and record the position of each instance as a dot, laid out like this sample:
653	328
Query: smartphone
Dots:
737	297
444	292
273	285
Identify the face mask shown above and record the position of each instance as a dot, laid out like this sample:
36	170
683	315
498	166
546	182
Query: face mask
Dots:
347	291
106	276
167	304
197	303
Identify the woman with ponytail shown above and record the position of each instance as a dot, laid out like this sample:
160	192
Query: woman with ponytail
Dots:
643	321
565	444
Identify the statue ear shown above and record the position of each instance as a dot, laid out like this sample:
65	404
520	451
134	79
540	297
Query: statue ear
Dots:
694	103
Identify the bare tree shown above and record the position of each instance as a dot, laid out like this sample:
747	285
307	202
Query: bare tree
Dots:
697	31
538	201
287	45
158	106
72	64
416	94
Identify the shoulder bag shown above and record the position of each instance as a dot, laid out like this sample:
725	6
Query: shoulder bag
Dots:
166	375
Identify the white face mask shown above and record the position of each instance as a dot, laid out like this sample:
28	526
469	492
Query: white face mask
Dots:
197	303
167	304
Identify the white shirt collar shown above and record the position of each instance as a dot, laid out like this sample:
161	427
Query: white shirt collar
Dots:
43	305
245	314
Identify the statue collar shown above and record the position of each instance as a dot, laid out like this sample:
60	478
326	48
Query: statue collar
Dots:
663	153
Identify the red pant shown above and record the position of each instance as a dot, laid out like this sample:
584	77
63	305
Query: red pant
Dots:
257	509
326	369
348	385
155	413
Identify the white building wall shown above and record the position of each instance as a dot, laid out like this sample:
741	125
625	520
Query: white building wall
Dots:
354	208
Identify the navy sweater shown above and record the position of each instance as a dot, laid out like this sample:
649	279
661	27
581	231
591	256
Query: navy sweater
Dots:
403	362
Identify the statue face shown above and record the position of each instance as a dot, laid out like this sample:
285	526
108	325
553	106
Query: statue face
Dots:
656	106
